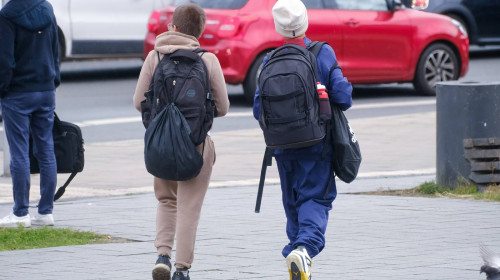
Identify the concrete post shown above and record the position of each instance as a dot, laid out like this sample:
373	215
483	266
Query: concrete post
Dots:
464	110
4	146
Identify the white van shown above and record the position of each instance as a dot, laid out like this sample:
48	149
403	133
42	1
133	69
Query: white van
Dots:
102	28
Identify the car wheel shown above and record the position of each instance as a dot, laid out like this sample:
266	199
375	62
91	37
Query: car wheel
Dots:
252	78
437	63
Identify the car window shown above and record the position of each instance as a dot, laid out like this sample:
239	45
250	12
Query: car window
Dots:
215	4
367	5
313	4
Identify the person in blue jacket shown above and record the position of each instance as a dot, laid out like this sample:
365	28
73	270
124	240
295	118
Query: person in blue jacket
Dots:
29	75
306	174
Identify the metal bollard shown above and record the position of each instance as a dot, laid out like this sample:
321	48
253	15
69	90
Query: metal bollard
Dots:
463	110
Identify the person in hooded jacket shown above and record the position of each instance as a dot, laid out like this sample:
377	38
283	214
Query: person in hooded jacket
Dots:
306	174
180	202
29	75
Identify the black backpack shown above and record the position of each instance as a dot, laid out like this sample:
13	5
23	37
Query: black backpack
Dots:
289	102
177	113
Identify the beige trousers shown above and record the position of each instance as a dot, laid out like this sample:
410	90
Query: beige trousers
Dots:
179	209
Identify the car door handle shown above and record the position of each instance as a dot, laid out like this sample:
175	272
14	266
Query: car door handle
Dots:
352	22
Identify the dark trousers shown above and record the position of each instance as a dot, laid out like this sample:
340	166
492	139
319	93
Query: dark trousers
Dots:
24	112
308	188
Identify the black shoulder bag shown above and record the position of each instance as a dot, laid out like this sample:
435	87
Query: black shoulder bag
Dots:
68	148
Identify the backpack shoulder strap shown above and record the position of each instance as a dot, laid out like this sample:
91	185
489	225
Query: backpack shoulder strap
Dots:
197	51
334	66
315	47
151	82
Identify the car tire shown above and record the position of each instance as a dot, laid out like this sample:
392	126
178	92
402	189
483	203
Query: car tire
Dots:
251	80
436	64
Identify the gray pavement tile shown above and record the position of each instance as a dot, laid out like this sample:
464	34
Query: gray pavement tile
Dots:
389	237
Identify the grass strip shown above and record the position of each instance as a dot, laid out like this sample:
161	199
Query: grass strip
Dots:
431	189
21	238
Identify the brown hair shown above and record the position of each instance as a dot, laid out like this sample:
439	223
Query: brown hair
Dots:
189	19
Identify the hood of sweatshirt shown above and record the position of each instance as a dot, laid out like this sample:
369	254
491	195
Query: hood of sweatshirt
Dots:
33	15
171	41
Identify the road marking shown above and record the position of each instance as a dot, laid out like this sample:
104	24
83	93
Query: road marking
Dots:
397	173
394	104
364	175
6	188
109	121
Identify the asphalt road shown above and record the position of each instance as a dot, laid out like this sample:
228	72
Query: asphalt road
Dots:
98	96
395	126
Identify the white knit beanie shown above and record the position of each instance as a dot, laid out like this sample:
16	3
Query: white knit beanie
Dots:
290	18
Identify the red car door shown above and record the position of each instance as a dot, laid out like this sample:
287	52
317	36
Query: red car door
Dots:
323	25
376	43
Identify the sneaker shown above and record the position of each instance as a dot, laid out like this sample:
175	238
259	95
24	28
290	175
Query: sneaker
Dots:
162	268
299	264
42	220
12	220
181	274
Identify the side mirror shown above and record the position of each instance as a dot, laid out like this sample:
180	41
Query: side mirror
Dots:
394	4
406	3
419	4
416	4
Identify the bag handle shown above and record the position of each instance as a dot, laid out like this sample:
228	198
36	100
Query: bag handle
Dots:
266	161
298	49
62	189
181	53
56	118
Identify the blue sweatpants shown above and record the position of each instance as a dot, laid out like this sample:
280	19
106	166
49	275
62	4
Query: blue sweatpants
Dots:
308	189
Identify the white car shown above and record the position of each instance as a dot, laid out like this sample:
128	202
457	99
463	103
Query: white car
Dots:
102	28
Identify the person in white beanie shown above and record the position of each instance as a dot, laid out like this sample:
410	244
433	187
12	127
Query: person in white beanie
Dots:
307	178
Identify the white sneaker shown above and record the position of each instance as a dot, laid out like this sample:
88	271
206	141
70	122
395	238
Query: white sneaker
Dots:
42	220
299	264
12	220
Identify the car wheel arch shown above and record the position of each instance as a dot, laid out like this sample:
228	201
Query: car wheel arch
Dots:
462	13
465	21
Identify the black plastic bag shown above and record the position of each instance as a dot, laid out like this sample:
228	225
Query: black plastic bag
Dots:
169	152
346	151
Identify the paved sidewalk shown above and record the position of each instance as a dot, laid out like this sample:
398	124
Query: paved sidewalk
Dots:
369	237
407	146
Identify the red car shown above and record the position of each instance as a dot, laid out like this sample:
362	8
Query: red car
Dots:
376	41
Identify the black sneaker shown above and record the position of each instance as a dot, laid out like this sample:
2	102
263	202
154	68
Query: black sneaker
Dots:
162	268
181	274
